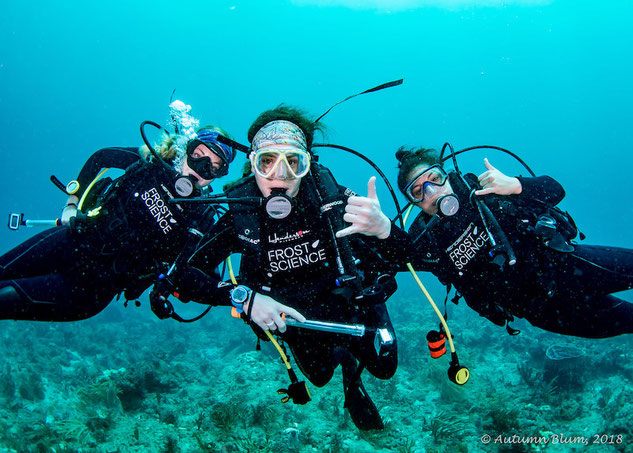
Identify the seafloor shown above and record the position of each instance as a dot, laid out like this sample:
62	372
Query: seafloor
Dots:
125	381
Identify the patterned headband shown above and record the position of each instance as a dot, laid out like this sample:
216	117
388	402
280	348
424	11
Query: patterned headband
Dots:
279	132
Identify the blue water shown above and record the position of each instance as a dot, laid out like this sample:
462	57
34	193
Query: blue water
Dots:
550	80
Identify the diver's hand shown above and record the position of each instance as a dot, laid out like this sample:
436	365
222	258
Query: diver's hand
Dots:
493	181
159	301
69	211
266	313
365	215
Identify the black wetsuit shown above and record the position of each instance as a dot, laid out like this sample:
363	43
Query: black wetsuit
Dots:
72	272
293	261
567	293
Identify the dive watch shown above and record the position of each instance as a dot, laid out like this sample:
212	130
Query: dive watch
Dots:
239	296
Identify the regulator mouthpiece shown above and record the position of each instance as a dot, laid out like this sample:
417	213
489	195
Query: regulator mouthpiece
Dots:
278	204
447	205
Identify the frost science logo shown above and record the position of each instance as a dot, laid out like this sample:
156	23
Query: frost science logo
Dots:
467	246
296	256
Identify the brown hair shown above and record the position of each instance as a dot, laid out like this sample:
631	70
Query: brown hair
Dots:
166	149
410	158
282	112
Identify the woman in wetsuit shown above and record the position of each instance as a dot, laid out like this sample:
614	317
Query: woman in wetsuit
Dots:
72	272
289	256
554	284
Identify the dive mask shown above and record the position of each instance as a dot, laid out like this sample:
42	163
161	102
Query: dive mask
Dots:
203	165
281	164
425	183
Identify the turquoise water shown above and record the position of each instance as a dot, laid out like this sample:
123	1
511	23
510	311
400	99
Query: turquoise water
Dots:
550	80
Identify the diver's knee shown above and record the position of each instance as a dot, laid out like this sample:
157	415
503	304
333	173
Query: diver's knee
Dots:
10	294
385	364
343	356
13	301
318	374
316	367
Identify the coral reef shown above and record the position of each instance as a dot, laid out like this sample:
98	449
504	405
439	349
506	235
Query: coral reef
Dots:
125	381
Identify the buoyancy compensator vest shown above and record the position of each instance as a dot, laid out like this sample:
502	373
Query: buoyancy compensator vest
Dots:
327	199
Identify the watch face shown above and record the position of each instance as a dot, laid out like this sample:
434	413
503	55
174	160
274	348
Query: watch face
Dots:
239	295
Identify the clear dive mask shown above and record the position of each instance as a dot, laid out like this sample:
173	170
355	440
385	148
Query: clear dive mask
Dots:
425	183
281	163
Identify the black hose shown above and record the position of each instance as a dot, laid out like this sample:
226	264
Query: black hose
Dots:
60	185
149	145
498	148
375	167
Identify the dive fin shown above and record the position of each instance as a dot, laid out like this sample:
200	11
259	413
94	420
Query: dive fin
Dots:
358	403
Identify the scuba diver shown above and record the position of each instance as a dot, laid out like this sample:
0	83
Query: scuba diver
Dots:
297	249
116	234
508	251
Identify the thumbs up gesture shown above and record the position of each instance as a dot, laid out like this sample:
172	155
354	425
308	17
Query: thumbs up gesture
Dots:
493	181
365	215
